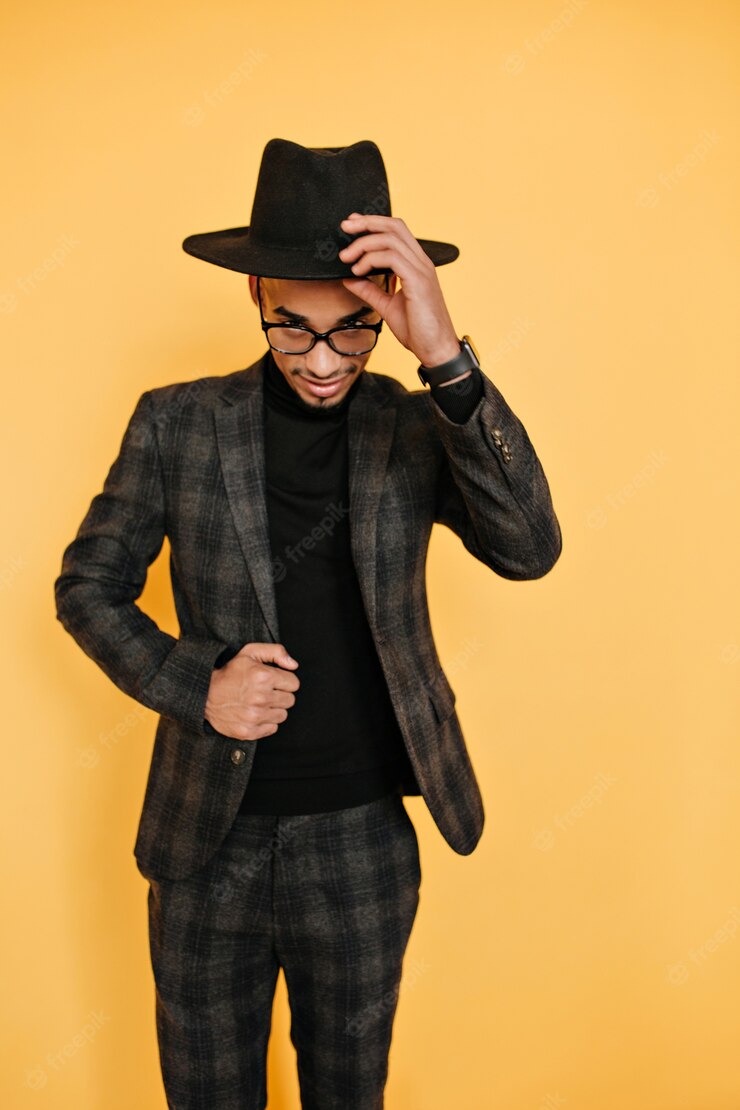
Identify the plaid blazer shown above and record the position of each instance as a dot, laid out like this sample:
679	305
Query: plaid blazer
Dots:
191	467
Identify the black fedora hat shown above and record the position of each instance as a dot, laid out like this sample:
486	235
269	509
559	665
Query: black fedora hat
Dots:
303	194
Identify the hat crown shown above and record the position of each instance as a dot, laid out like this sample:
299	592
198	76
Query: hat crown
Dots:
303	194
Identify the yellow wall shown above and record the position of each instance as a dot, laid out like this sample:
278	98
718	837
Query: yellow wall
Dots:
584	157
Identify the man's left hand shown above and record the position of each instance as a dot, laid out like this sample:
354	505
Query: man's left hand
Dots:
416	313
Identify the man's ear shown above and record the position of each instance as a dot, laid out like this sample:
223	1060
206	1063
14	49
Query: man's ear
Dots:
253	288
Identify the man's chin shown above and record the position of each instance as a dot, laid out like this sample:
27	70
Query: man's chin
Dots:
314	401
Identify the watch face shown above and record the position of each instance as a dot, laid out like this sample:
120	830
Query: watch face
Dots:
469	342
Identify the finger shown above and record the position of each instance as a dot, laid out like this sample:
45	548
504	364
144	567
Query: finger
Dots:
409	271
285	680
271	717
267	652
371	222
374	241
280	699
370	293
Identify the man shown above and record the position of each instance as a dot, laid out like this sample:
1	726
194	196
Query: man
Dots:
304	696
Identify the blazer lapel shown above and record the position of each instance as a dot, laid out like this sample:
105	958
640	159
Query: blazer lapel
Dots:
239	422
371	422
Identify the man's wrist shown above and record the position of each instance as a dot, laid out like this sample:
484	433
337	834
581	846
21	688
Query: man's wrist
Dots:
459	404
442	355
454	369
451	381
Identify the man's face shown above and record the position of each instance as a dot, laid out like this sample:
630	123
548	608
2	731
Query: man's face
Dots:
323	304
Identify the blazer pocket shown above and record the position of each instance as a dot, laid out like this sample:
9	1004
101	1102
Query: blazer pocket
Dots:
442	696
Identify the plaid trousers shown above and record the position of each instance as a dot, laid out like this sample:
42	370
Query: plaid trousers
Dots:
329	897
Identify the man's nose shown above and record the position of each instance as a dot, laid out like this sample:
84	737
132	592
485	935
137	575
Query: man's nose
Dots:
321	361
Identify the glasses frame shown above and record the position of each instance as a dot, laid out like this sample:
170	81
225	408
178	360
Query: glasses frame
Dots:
317	335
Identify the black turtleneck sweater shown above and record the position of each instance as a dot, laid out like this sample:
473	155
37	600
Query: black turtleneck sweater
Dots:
340	744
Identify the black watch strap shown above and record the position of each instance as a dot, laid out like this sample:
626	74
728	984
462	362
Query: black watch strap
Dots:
467	359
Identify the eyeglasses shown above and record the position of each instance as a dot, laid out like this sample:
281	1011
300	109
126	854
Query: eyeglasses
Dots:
299	339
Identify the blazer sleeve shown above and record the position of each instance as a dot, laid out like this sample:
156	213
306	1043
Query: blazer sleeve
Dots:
459	400
492	491
103	573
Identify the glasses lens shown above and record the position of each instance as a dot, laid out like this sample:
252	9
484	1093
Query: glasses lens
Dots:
348	341
293	340
354	341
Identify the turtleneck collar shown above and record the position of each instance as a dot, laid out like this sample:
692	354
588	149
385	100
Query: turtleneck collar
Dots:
281	396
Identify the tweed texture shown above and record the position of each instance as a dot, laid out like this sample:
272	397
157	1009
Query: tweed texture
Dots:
191	467
331	898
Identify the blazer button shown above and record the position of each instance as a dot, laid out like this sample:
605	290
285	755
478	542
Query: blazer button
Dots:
238	755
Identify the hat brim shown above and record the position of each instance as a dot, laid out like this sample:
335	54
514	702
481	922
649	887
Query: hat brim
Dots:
232	249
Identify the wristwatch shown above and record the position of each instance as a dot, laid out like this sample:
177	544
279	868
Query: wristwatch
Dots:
467	360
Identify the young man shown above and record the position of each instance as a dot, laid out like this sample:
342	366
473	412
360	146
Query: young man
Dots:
304	696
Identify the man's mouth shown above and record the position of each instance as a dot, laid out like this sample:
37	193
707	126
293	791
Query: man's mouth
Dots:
322	389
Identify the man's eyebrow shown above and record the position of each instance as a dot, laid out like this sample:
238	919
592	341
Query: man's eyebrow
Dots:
281	310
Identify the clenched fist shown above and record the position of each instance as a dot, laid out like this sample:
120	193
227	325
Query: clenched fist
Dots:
248	698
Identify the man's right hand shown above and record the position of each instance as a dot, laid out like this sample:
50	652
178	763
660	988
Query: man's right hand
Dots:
249	699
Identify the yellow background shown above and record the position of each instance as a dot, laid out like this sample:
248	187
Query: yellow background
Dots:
584	158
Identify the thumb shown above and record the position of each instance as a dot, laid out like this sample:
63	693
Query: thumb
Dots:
269	653
284	659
